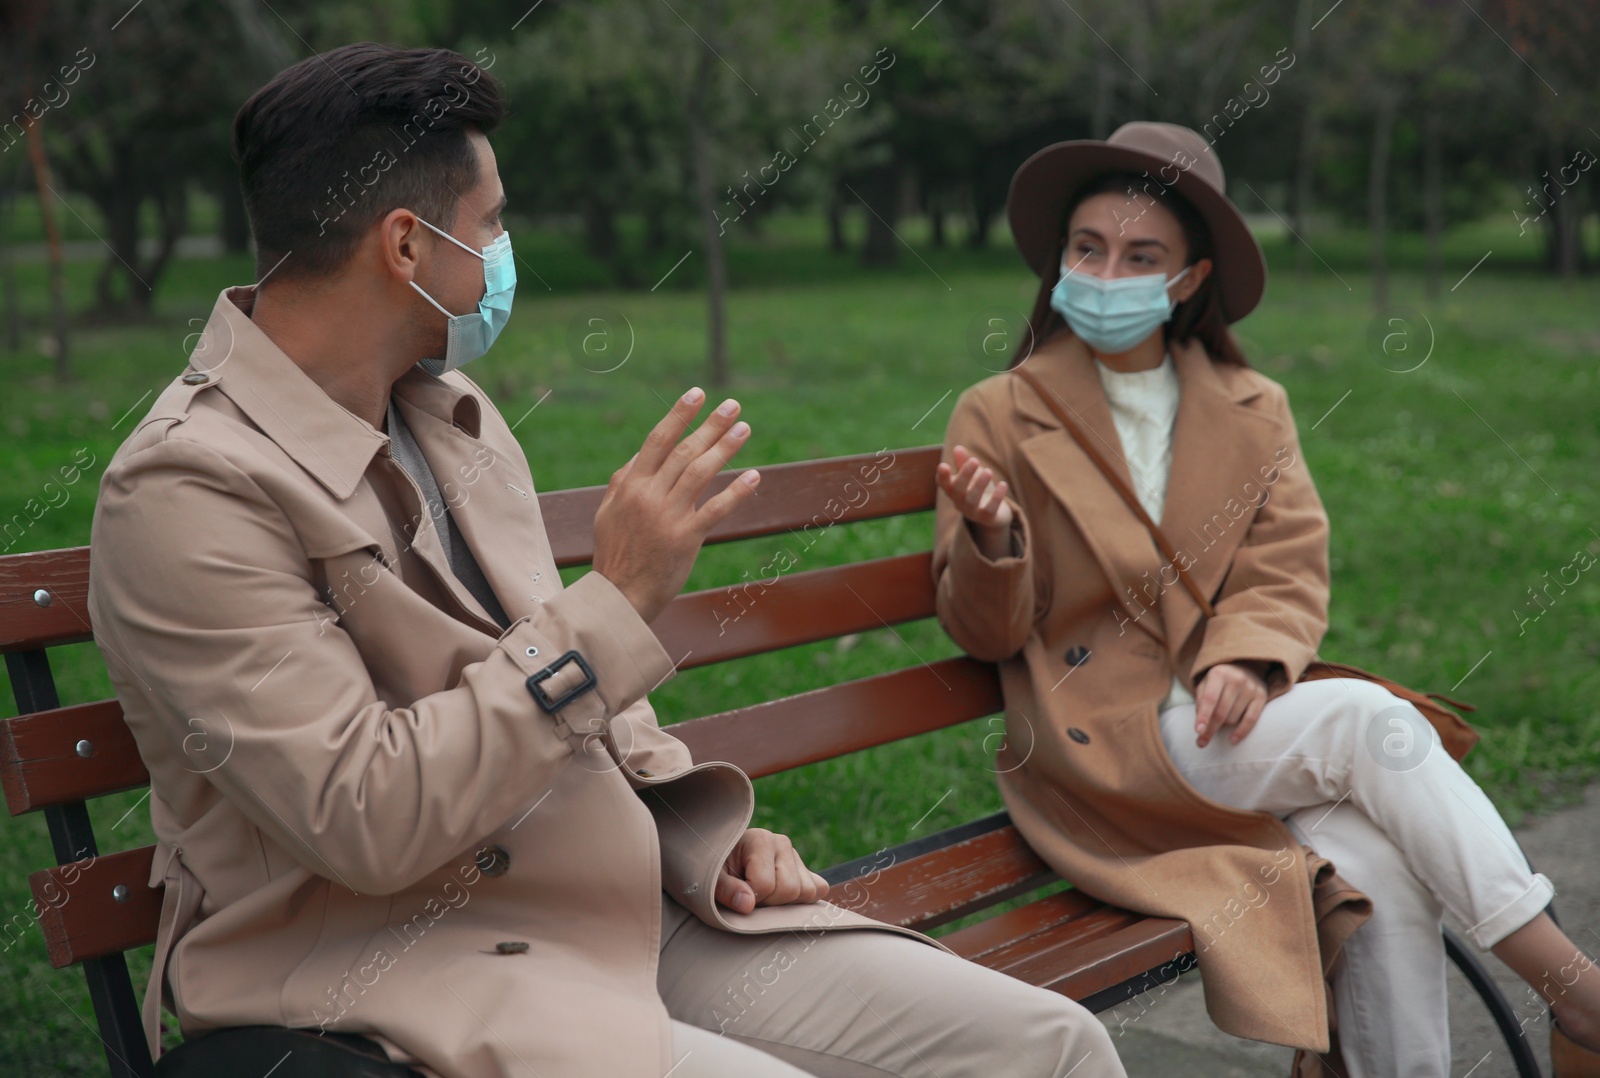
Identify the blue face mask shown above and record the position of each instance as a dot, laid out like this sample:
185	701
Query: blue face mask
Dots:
1111	315
470	335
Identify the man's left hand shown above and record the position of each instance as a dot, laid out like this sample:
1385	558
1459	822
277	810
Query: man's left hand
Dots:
765	870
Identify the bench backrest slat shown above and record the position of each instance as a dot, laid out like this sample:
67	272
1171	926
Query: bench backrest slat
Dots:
719	624
29	620
805	497
778	735
80	913
41	765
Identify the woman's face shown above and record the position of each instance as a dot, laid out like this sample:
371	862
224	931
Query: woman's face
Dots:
1112	235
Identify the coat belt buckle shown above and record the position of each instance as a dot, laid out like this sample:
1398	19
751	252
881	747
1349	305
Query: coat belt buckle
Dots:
543	699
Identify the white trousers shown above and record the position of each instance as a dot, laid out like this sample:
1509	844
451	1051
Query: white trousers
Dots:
1361	777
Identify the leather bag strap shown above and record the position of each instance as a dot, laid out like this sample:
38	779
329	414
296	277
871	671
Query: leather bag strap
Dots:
1116	480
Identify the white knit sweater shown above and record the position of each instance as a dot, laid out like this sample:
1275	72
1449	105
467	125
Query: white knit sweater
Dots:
1143	406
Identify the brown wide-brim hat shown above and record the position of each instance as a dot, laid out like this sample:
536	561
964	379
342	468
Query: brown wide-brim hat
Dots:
1172	156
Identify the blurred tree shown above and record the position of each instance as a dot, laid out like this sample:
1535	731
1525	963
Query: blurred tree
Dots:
142	122
1556	41
690	118
20	31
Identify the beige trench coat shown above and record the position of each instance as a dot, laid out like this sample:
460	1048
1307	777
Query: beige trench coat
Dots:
355	795
1089	629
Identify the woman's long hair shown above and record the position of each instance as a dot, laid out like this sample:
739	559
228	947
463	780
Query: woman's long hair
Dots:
1198	316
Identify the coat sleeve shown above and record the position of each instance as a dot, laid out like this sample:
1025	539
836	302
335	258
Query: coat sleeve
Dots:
986	605
1273	606
202	591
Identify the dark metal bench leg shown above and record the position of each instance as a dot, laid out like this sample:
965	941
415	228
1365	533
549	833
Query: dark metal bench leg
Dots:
72	838
117	1010
1500	1009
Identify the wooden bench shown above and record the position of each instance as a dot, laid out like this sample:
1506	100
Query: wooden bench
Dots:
53	759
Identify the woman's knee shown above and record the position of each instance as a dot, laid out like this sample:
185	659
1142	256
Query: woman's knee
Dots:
1353	709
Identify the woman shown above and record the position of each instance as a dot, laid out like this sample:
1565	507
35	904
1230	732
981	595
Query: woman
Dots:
1173	746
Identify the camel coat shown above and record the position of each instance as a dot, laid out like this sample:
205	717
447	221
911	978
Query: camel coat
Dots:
356	798
1089	626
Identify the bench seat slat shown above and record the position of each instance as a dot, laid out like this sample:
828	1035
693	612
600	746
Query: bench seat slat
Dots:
1096	964
1072	944
944	885
40	765
767	738
1003	931
1021	956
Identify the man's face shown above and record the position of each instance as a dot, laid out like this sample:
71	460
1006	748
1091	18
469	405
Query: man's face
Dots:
450	275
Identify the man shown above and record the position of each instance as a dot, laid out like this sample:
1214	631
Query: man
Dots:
405	783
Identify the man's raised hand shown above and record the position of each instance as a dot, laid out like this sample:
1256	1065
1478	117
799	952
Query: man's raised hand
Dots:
648	532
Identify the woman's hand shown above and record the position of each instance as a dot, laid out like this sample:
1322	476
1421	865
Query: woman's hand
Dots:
982	500
1228	695
765	870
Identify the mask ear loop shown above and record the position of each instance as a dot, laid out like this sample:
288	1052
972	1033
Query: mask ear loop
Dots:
430	299
459	244
452	239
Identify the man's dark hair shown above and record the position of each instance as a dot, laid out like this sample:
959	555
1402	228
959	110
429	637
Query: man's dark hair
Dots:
332	144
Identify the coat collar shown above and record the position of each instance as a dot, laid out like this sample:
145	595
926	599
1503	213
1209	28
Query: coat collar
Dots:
490	499
1218	441
326	439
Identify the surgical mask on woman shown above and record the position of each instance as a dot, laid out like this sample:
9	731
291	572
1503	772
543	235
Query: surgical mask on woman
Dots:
1112	314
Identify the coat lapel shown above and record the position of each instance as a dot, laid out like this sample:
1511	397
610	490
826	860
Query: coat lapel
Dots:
1219	444
1120	543
492	502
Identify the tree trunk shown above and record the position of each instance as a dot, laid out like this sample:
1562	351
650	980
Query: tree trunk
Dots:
600	237
1104	88
706	204
8	271
1305	174
172	206
1377	194
1305	161
58	286
1565	238
1432	198
235	221
836	238
882	196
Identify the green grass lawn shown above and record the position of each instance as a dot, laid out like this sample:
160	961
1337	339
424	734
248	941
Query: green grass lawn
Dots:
1453	489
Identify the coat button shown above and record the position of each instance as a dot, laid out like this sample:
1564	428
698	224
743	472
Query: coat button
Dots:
195	378
511	947
1077	655
1077	735
493	860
